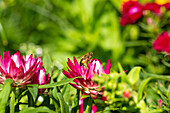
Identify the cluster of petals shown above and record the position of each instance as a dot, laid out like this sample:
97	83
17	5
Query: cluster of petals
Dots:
86	83
162	43
133	10
23	70
40	78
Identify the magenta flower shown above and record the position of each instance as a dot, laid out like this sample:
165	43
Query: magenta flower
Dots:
160	102
167	6
162	43
20	70
131	12
86	83
81	109
40	78
153	7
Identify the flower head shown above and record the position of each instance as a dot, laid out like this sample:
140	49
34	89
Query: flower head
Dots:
131	11
86	83
162	43
20	70
40	78
167	6
153	7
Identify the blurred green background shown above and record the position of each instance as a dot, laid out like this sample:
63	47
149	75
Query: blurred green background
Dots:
67	28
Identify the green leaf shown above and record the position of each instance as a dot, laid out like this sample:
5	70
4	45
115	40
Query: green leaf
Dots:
4	94
144	83
12	103
34	91
133	75
20	96
51	85
66	92
141	88
56	103
121	69
85	96
87	104
47	63
141	104
36	110
63	105
76	102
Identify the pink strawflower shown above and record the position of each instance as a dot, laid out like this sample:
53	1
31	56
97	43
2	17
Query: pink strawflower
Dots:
160	102
86	83
81	109
20	70
162	43
40	78
131	12
153	7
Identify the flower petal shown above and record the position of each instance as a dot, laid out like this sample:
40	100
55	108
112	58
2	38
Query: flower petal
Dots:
108	66
20	74
17	59
67	74
76	86
7	59
12	70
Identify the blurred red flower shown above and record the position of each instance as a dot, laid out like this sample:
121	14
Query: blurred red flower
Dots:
153	7
167	6
162	43
127	94
131	11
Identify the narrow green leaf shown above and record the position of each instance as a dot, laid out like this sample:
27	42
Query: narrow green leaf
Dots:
36	110
144	83
141	88
168	92
12	103
76	102
88	105
20	96
63	105
47	63
85	96
4	94
121	69
66	92
133	75
122	73
57	106
63	82
34	91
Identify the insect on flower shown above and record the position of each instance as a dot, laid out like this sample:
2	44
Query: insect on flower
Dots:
85	58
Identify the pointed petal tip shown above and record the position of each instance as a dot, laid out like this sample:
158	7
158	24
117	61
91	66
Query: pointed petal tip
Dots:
108	66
